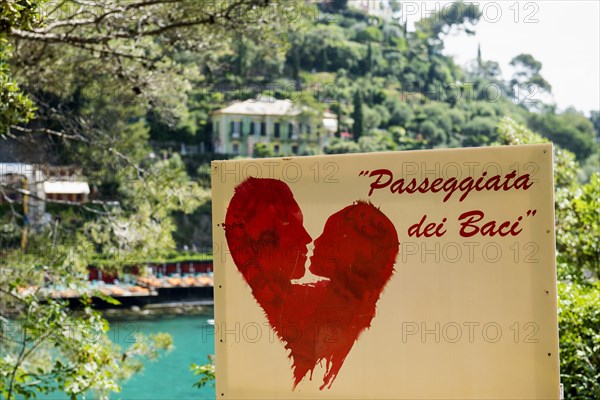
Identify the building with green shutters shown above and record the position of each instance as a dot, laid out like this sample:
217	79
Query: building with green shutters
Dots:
289	128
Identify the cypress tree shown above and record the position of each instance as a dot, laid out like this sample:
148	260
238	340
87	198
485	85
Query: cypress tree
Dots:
369	61
357	115
338	132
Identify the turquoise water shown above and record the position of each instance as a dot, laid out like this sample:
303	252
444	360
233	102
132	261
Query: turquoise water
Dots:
169	376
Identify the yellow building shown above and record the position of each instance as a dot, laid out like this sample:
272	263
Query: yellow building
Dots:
291	129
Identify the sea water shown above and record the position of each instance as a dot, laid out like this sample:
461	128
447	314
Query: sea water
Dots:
169	376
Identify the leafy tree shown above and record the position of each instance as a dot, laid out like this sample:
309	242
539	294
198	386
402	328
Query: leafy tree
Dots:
377	140
438	69
569	130
434	135
486	78
15	106
480	131
263	150
595	120
357	116
372	118
404	141
337	146
579	324
326	48
96	70
458	15
590	166
527	81
400	113
369	58
338	114
527	68
337	5
458	119
369	34
578	227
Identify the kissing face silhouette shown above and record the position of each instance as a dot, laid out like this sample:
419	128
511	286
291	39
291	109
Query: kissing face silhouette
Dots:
353	258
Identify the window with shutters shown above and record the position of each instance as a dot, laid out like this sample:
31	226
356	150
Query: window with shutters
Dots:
277	128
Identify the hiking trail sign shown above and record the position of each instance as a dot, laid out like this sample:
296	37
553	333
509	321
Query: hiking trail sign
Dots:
401	275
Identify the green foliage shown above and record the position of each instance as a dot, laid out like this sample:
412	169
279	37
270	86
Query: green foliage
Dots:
579	326
205	371
528	72
47	348
569	130
369	34
595	120
15	107
19	14
106	77
400	113
432	133
590	166
337	146
357	115
376	140
326	48
458	15
578	228
480	131
104	87
263	150
142	227
337	5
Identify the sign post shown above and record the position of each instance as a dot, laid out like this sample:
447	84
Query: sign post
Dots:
401	275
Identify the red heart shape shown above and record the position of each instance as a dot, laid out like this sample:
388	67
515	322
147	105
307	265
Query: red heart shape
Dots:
354	256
